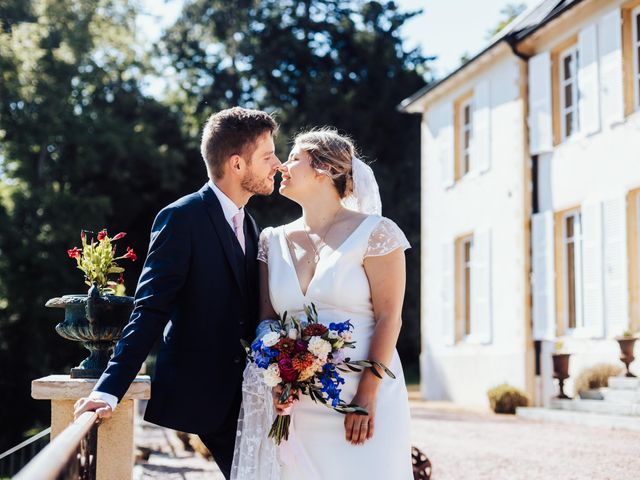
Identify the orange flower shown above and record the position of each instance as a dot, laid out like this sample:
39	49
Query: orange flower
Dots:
303	361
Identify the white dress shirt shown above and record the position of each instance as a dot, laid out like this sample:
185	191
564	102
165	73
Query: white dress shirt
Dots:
229	209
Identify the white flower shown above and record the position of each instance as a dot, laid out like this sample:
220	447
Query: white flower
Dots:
319	347
270	339
333	334
293	333
346	336
271	375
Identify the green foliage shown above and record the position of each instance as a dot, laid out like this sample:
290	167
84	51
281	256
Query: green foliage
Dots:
596	376
313	63
508	12
505	399
82	146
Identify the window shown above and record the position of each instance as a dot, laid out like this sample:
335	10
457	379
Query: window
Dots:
573	284
635	22
466	132
464	261
463	134
569	92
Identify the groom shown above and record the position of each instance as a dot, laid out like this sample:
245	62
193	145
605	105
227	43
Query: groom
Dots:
199	290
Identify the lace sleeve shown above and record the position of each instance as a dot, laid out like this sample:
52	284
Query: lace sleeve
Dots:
263	245
385	238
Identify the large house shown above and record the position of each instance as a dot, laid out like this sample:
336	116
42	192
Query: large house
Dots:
530	201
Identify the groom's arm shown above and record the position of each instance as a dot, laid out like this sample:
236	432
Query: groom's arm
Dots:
162	277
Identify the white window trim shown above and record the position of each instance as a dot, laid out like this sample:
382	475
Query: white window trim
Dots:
579	288
571	51
635	42
464	265
462	129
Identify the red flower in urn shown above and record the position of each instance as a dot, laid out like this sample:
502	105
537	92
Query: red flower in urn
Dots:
98	261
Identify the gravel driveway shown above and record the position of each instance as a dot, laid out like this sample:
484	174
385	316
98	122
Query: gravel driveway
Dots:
465	445
461	444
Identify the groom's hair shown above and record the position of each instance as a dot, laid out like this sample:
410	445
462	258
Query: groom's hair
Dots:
233	131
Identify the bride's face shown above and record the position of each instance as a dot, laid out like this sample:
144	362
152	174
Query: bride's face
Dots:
299	178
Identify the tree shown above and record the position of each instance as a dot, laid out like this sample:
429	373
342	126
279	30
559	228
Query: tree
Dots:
313	62
81	148
508	12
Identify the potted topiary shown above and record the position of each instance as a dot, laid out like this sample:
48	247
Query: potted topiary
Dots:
561	367
627	343
506	399
96	319
589	382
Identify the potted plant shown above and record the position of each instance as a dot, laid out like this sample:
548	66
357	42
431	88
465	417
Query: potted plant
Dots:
561	367
627	343
590	381
96	319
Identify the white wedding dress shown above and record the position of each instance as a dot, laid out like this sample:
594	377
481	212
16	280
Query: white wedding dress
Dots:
317	449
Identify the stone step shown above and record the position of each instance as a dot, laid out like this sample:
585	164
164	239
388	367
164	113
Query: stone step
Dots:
597	406
624	383
618	422
621	396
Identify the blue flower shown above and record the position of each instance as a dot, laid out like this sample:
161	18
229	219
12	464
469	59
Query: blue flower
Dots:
270	352
256	345
261	360
341	327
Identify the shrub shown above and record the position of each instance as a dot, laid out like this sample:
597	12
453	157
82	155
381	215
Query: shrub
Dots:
505	398
596	376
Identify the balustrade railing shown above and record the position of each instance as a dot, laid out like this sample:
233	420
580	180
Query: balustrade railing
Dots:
70	455
17	457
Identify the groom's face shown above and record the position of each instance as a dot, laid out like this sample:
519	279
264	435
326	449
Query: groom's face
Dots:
262	167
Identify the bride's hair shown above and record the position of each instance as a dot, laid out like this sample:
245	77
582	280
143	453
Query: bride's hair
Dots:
331	153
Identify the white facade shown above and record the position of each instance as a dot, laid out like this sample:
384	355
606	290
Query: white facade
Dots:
487	203
594	173
511	262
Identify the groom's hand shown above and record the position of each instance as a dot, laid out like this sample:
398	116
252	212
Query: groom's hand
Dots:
101	407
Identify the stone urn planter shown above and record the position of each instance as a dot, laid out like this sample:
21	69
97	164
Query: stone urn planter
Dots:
627	343
96	321
561	371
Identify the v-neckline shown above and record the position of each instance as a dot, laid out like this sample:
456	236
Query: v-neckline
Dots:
292	263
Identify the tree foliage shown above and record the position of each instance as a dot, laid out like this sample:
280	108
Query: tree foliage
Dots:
82	145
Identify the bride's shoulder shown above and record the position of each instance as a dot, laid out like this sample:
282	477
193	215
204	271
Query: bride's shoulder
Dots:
385	236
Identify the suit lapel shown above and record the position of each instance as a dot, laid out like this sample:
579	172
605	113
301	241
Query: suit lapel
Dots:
214	209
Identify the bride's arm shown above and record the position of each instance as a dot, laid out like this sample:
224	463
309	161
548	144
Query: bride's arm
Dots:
265	311
387	278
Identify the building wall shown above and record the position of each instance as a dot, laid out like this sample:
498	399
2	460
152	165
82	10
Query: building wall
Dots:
492	200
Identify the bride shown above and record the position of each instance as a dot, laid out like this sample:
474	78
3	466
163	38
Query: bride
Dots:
349	261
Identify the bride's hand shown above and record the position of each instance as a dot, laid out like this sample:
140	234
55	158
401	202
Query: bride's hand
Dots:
359	428
281	407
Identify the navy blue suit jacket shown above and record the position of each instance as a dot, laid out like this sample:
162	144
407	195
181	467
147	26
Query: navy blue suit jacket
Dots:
200	292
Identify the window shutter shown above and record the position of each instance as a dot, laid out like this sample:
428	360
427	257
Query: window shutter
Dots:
481	286
616	291
448	289
543	281
588	85
445	146
592	281
540	132
610	50
481	151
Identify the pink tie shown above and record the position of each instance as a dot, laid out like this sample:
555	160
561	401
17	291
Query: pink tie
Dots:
238	222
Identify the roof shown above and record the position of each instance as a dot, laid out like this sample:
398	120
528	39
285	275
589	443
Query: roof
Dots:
520	28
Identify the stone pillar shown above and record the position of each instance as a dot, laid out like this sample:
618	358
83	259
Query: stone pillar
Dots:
115	436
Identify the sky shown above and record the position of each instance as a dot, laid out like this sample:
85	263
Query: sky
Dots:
446	29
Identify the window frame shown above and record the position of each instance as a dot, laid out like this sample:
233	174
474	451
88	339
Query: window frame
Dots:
635	46
571	51
463	288
465	151
578	274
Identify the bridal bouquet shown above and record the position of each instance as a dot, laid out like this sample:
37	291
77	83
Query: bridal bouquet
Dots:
307	357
